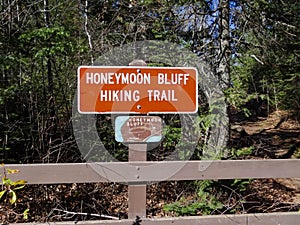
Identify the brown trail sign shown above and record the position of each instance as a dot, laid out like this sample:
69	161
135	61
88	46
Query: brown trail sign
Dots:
137	89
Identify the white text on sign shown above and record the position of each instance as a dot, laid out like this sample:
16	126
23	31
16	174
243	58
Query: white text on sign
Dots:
129	95
136	78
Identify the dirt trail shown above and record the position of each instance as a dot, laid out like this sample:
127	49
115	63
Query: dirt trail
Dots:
275	136
294	185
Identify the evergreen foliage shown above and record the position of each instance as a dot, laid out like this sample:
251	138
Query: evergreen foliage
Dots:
252	46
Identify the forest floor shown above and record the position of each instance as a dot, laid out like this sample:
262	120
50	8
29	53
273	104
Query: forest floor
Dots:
275	136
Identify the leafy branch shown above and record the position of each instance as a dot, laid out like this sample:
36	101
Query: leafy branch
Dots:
9	188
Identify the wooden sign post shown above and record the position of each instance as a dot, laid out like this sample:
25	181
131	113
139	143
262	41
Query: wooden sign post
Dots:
137	131
137	193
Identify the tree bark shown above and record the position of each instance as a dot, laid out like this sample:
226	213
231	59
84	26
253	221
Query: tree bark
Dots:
223	69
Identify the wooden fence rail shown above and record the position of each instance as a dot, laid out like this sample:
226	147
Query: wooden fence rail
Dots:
285	218
143	172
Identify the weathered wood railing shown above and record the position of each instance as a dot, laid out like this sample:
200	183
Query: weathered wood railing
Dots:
145	172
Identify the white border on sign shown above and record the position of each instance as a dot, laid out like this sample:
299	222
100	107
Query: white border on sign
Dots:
136	67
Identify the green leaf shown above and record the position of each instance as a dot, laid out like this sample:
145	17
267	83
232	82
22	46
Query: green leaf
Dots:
19	187
6	181
18	182
10	171
2	193
13	197
25	214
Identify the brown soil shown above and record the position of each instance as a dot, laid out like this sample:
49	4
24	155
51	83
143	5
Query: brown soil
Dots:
275	136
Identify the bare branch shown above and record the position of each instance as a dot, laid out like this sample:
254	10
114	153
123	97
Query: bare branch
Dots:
257	59
68	214
87	31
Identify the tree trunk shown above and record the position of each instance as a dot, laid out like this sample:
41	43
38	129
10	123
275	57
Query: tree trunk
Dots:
223	69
